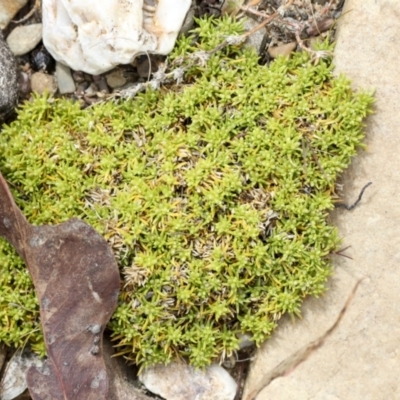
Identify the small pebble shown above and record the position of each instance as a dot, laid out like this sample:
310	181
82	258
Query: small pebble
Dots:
116	78
102	85
282	50
24	84
64	79
91	90
24	38
146	66
82	87
78	76
42	83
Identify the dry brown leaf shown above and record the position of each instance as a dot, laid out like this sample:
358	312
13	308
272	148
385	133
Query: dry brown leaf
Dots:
77	282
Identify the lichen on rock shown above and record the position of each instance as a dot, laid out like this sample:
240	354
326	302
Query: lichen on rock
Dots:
213	194
8	80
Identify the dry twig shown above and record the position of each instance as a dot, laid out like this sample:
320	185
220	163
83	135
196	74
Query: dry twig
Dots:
37	6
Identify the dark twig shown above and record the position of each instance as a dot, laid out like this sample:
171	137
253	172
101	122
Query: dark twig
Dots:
290	363
35	8
350	207
340	252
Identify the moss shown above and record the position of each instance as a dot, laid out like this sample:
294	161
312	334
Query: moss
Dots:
213	194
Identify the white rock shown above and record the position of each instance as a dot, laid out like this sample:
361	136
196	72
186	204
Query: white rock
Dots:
94	36
182	382
8	8
24	38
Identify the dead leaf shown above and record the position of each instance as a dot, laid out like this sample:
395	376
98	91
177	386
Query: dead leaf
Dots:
77	282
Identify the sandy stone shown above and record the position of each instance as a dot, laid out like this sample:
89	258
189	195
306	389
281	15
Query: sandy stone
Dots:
361	359
8	8
282	50
41	83
178	381
24	38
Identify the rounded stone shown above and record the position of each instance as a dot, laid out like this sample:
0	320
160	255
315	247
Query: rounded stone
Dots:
42	83
25	38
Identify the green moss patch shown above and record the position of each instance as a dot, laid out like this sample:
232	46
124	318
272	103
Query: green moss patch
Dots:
213	194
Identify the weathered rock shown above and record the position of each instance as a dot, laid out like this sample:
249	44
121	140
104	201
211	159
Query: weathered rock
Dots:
188	22
121	383
256	39
178	381
42	83
282	50
64	79
361	359
24	38
13	383
8	80
8	8
95	36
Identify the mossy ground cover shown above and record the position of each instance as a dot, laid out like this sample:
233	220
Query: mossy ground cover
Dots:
213	194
